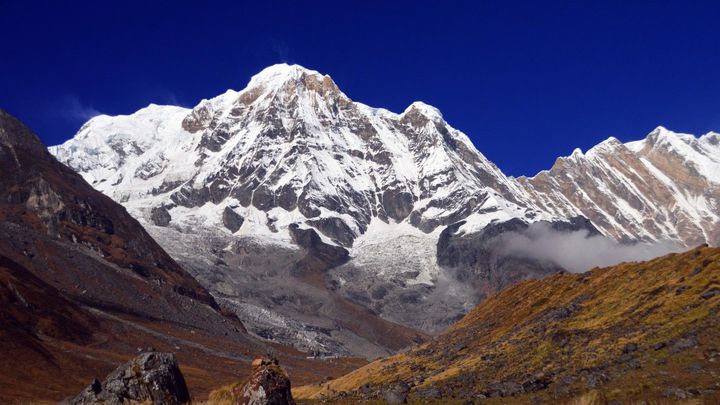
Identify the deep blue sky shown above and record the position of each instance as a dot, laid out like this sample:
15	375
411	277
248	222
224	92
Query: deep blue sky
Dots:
526	81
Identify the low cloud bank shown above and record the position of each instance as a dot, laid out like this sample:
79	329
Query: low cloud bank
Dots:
578	251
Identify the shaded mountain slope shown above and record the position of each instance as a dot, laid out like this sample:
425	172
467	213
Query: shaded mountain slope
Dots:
83	288
646	330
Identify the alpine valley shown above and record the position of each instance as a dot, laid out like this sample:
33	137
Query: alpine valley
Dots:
347	230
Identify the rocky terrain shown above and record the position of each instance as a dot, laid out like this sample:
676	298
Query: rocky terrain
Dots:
220	185
643	331
83	287
151	377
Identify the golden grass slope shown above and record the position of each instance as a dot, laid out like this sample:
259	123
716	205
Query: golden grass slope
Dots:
637	331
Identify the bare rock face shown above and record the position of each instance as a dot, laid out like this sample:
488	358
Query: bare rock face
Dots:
153	377
160	216
232	220
268	385
320	255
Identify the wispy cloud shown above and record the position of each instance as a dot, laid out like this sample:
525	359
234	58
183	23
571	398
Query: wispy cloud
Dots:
281	49
72	109
171	99
577	251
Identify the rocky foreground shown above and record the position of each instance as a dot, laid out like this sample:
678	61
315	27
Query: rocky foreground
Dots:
155	378
645	332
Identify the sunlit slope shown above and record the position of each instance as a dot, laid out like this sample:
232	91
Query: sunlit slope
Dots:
634	331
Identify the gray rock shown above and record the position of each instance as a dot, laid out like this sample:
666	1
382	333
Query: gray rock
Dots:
684	344
505	389
267	385
160	216
334	228
232	220
396	394
151	377
398	204
710	293
676	393
659	346
428	393
630	347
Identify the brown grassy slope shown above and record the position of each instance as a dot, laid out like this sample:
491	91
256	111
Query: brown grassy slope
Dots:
553	339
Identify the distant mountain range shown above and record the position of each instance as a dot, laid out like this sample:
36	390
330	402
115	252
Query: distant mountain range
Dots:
287	198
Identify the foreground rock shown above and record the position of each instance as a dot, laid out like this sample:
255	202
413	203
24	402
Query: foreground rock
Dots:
268	385
152	376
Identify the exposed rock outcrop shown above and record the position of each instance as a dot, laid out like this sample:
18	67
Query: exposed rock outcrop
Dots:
160	216
268	384
320	256
232	220
153	377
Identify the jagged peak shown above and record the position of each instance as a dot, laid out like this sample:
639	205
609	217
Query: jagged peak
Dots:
664	136
576	153
424	109
608	145
659	130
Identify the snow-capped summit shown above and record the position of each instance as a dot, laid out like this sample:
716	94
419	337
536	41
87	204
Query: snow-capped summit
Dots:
280	73
229	186
427	110
293	146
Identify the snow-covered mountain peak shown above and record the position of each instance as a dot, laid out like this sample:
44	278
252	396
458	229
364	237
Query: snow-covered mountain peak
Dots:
284	78
663	137
291	147
576	153
291	141
424	109
224	187
609	145
280	73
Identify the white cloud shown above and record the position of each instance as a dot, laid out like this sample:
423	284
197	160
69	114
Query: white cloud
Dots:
72	109
578	251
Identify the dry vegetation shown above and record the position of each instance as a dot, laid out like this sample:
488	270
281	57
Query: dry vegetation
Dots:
636	331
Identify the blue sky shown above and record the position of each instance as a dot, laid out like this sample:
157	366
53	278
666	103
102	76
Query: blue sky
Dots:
527	81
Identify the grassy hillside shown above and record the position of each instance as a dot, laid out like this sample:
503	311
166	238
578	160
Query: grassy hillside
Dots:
636	331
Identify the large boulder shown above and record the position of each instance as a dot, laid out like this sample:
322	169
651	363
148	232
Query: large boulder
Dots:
160	216
267	385
396	394
151	377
